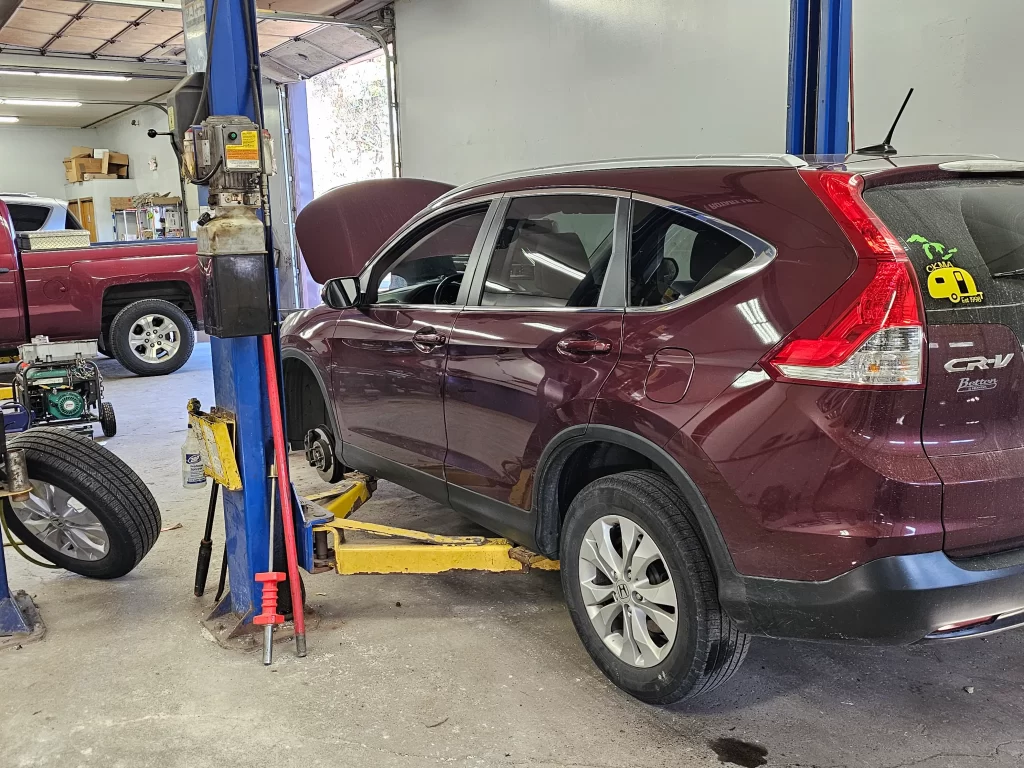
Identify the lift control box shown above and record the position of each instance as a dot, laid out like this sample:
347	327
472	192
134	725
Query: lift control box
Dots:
233	156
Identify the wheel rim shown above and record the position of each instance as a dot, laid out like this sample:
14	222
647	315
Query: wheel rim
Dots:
628	591
62	522
154	338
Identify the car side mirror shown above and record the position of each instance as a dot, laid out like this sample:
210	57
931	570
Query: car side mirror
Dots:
341	293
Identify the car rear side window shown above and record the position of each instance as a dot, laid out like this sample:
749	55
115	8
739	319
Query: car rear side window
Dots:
673	255
70	222
552	251
28	218
964	237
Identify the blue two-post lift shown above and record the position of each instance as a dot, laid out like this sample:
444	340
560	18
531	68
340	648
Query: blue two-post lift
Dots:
817	123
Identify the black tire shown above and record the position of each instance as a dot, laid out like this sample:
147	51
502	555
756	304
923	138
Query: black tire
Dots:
103	483
108	422
125	321
707	649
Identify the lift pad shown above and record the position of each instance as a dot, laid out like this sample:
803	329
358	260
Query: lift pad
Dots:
216	433
418	552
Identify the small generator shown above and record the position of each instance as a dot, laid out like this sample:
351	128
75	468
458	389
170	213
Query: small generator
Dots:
59	385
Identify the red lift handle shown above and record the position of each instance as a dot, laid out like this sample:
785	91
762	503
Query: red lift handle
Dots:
285	484
269	615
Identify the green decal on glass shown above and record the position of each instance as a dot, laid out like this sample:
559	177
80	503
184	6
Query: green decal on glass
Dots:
931	248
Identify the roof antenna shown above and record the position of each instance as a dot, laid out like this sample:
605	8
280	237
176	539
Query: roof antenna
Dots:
886	148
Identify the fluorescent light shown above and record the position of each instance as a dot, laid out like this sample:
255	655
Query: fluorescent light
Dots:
84	76
41	103
550	263
8	119
71	75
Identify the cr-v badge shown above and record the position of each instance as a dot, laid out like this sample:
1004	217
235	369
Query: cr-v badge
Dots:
979	363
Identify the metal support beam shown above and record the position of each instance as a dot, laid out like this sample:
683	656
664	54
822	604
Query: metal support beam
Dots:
819	77
238	371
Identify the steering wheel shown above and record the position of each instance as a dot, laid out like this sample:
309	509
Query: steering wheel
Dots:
445	286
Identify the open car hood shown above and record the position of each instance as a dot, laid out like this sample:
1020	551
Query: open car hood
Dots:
340	231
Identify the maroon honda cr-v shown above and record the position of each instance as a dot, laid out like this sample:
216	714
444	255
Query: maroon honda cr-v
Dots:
733	396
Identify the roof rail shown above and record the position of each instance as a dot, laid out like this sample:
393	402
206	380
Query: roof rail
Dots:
682	161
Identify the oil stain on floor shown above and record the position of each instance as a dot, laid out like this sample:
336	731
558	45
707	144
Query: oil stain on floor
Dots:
742	753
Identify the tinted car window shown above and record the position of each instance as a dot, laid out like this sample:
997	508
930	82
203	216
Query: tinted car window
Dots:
70	222
552	251
28	218
414	276
965	239
673	255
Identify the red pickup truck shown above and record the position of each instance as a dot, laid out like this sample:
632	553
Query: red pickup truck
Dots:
142	301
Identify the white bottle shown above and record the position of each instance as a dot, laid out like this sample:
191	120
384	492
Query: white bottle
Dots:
192	475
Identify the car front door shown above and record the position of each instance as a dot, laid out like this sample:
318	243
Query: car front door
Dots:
388	356
529	353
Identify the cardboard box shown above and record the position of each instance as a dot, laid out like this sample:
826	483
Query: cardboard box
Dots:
121	204
81	152
95	176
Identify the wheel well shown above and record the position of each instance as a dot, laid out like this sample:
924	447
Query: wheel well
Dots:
569	472
118	297
305	407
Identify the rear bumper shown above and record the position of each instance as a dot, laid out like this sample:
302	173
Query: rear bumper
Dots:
891	601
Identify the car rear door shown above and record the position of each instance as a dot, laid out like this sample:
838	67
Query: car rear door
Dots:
530	352
964	234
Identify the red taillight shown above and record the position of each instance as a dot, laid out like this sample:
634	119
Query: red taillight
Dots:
873	328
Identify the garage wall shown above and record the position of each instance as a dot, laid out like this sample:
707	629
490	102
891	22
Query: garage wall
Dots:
30	157
962	58
487	86
127	133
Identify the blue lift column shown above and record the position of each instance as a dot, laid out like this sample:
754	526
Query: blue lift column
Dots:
238	372
818	118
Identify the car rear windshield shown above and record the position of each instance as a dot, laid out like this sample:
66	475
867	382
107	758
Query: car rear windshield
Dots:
28	218
965	238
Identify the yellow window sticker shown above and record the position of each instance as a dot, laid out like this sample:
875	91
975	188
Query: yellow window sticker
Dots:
947	281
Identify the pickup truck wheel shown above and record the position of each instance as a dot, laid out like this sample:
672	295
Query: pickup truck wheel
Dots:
88	512
641	590
152	337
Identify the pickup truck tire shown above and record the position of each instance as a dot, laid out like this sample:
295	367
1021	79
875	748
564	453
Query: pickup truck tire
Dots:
642	592
152	337
89	513
108	421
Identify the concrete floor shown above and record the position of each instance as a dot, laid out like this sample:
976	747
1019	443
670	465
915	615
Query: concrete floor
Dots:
471	670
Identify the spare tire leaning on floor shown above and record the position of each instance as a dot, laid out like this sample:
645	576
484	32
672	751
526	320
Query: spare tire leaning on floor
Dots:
88	512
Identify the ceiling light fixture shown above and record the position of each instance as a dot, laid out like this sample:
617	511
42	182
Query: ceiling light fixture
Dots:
68	75
8	119
40	103
84	76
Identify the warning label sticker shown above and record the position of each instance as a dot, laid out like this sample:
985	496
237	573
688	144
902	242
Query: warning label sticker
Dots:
244	156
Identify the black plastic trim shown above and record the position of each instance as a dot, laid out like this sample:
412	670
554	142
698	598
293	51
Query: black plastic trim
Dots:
424	484
290	353
512	522
565	443
890	601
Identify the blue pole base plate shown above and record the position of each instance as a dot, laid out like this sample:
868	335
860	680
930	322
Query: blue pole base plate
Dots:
20	622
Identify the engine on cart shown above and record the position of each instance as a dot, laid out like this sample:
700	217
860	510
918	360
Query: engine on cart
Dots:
59	384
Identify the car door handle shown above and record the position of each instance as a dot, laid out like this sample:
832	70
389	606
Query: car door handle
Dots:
583	347
4	270
425	339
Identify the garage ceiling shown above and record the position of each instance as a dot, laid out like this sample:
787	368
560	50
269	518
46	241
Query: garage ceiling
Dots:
145	41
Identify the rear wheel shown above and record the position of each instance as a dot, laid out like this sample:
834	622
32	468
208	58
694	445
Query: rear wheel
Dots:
88	512
641	590
152	337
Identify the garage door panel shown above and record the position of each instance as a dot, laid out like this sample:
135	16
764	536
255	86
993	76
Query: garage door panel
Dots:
13	36
97	29
56	6
37	21
113	12
69	44
154	35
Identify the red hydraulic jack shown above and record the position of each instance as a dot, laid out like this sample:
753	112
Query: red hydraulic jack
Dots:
269	617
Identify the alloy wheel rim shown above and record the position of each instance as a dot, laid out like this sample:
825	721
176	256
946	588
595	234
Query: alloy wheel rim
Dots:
154	338
628	591
62	522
